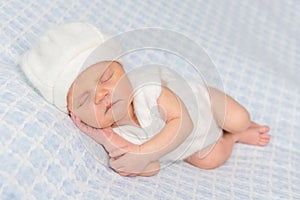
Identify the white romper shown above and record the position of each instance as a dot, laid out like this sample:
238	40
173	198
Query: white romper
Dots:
147	83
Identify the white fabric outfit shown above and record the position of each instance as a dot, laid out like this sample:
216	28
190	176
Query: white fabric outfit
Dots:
147	83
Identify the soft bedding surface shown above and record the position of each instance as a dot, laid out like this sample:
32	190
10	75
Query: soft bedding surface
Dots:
255	46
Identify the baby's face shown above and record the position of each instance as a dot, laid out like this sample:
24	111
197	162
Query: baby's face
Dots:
101	95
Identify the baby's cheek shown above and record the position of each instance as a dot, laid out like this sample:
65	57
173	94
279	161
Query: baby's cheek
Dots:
87	115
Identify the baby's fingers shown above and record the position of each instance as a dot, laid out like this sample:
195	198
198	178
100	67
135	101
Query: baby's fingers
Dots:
117	152
85	128
116	165
124	174
81	125
127	174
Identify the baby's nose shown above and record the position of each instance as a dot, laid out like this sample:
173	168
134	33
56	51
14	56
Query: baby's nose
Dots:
100	94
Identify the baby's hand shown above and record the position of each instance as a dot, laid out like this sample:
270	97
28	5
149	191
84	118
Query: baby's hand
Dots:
129	161
101	136
112	142
96	134
126	158
121	150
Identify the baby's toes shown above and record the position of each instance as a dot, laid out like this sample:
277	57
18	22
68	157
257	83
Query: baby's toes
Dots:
264	129
264	136
264	139
263	142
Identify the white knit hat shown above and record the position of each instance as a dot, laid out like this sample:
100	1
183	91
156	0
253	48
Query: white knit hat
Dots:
61	54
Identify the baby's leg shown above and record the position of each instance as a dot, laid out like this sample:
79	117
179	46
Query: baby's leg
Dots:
217	156
238	127
229	114
234	118
254	135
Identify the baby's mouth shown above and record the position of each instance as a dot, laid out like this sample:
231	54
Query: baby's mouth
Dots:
110	105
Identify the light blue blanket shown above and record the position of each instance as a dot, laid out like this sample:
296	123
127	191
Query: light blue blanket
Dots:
255	46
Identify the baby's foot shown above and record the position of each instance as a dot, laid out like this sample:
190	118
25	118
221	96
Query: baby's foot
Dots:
254	135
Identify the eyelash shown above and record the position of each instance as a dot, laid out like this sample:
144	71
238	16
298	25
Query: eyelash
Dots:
103	79
106	77
82	101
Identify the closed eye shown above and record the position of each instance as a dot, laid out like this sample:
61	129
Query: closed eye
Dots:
106	76
82	100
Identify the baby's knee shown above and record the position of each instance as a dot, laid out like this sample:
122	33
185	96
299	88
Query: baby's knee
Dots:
240	120
244	119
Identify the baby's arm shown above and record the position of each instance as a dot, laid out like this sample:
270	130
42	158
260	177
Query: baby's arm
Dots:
131	159
111	141
178	127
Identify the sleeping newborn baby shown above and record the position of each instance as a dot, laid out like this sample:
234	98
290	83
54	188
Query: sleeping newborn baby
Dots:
143	117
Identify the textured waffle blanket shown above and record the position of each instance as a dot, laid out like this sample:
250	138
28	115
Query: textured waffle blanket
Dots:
255	46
